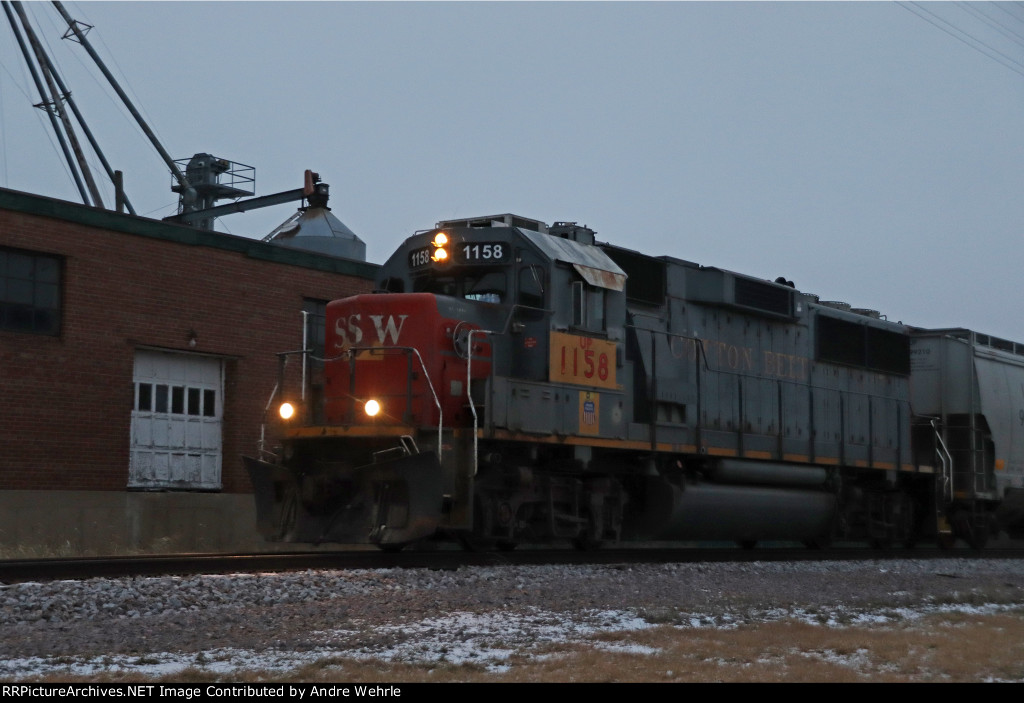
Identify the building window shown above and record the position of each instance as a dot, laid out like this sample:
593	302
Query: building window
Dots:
166	398
29	292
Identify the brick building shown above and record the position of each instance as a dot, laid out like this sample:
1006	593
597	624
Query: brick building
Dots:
136	360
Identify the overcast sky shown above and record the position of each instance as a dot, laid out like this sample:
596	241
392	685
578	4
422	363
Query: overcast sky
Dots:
871	152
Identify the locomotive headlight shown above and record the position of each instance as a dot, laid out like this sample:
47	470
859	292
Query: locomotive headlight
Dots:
372	407
440	245
286	411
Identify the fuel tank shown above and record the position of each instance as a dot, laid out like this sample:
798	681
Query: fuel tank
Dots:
713	511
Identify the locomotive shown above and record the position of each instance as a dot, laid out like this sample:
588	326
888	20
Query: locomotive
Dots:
513	382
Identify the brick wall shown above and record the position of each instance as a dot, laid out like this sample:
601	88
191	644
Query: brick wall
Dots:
65	402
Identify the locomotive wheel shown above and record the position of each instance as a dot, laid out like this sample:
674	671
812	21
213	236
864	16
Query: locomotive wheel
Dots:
392	548
589	538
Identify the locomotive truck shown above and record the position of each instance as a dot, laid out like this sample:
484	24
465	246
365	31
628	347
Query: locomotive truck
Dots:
513	382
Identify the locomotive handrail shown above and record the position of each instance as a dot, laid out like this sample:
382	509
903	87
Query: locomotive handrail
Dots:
351	353
945	459
469	394
263	425
282	361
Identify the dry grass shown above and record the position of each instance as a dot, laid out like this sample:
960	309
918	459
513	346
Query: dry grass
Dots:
940	648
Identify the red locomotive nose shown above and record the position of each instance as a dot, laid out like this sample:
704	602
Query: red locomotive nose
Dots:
392	355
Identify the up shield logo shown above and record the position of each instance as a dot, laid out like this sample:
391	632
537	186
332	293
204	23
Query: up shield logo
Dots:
590	413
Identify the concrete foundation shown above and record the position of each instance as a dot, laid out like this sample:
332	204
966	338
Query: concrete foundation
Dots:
98	523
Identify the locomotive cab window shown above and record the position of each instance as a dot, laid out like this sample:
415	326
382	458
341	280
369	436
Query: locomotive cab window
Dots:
531	287
393	285
588	307
487	287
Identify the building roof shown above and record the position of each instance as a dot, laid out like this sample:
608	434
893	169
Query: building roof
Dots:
27	203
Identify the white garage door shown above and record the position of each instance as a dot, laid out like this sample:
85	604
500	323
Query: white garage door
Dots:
176	422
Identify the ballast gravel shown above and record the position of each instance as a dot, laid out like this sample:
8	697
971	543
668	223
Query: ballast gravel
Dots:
158	625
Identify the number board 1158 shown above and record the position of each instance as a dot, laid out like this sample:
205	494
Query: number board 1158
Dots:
481	252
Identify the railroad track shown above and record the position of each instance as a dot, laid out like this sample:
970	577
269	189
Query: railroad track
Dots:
50	569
